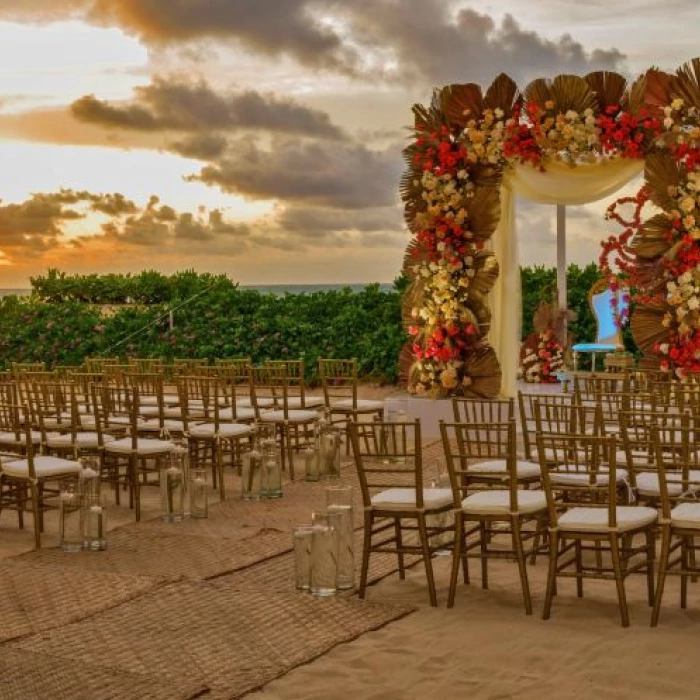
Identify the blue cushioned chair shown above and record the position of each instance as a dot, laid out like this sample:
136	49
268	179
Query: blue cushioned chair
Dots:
608	335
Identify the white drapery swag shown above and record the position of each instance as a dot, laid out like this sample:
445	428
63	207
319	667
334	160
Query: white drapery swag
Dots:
560	183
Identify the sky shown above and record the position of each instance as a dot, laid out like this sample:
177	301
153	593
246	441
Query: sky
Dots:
263	139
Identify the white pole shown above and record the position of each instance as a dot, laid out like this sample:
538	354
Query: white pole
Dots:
561	260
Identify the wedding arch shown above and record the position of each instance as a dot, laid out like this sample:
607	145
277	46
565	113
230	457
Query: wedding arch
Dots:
571	140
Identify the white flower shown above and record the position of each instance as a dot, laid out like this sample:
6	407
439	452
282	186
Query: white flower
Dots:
693	303
663	348
668	122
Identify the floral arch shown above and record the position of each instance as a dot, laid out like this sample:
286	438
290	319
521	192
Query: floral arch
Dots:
473	150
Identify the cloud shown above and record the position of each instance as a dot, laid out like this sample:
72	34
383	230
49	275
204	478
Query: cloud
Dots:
432	42
181	105
314	219
200	146
345	175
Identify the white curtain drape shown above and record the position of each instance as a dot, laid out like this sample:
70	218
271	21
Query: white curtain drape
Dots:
560	183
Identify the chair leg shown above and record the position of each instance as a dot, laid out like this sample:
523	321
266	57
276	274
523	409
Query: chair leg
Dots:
684	578
579	568
425	544
367	543
399	547
136	486
483	542
619	580
663	567
465	558
219	466
457	557
522	566
651	558
551	573
36	509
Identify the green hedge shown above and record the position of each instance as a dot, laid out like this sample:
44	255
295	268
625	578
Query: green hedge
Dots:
226	321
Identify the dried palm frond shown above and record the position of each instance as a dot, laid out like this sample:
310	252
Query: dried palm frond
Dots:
687	83
478	306
486	273
412	298
660	174
572	92
426	119
502	93
658	88
539	91
543	320
410	258
609	88
484	371
484	212
406	364
633	101
461	102
651	240
486	175
647	329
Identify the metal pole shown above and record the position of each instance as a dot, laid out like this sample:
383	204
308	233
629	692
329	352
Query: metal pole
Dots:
561	261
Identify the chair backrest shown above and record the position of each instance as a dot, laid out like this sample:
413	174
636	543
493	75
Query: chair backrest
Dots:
467	445
678	464
589	456
387	455
269	386
607	306
11	422
200	399
526	408
483	410
339	380
563	418
150	365
115	409
588	386
97	364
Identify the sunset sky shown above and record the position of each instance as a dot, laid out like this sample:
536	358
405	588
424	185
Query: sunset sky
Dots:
262	138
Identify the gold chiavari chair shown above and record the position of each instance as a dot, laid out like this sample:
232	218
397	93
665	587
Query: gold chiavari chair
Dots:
678	463
238	377
29	472
397	505
483	410
235	393
98	364
484	502
129	459
587	511
587	386
296	385
526	406
146	365
339	383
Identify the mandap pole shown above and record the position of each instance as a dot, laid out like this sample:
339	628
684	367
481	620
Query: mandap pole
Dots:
561	262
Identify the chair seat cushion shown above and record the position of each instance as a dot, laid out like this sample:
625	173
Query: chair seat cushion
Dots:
83	439
686	515
648	483
497	502
242	413
582	519
362	405
208	430
44	467
299	416
151	426
309	402
10	439
263	402
567	475
144	446
594	347
123	422
400	498
149	411
524	470
640	458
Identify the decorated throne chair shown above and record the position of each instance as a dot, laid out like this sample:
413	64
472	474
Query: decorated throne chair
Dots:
606	313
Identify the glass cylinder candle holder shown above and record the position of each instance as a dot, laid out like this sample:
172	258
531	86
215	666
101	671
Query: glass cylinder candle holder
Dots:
94	525
302	539
311	465
328	448
70	520
441	521
324	570
341	519
199	493
172	494
180	458
272	474
89	478
252	475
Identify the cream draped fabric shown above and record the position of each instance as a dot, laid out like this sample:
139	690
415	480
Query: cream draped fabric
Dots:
561	183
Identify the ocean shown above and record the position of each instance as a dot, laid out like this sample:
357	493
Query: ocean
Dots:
277	289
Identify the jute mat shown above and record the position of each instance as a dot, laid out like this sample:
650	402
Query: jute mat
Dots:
231	640
36	597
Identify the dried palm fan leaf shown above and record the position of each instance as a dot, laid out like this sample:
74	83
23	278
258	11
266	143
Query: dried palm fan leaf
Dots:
539	91
411	257
461	102
426	119
478	306
609	88
633	100
502	94
687	83
571	92
647	328
660	174
658	88
406	363
484	371
486	273
543	320
412	298
484	212
486	175
651	240
562	319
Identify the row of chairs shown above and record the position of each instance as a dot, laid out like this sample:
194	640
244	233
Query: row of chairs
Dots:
574	503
